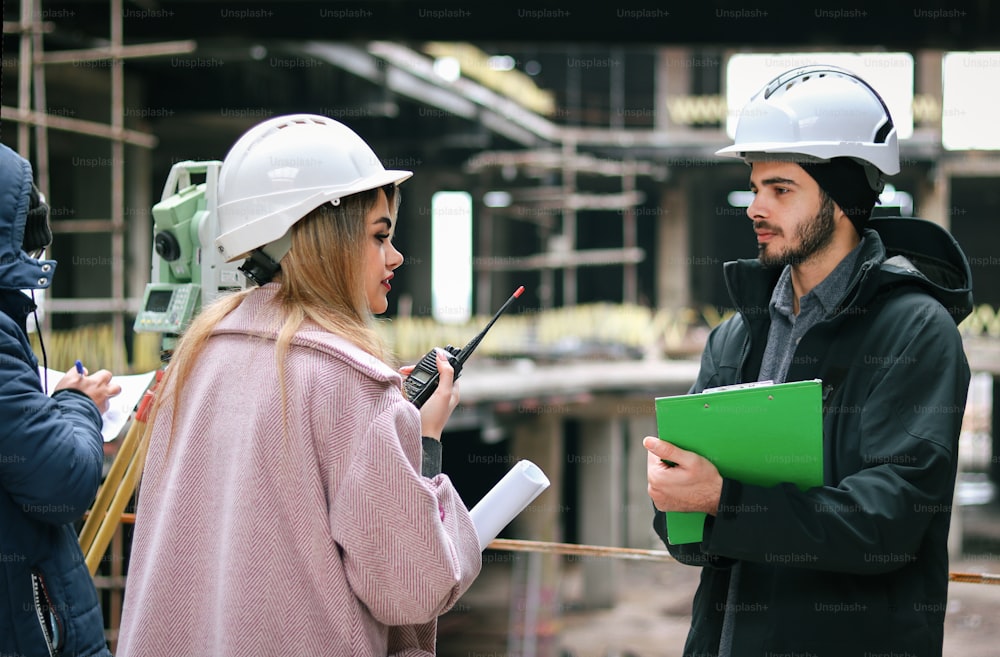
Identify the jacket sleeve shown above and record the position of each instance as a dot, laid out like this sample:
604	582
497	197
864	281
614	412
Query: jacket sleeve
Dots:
689	554
722	356
407	542
873	520
430	464
51	449
412	640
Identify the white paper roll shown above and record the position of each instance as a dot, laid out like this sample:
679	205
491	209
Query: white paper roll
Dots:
518	488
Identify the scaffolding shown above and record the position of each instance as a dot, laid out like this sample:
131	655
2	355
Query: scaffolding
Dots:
31	113
555	209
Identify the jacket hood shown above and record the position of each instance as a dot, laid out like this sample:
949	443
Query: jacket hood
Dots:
18	270
894	251
923	253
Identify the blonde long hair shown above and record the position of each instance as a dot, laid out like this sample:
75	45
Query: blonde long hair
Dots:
321	280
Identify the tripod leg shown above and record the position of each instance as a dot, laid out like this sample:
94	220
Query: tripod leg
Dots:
118	486
111	483
122	495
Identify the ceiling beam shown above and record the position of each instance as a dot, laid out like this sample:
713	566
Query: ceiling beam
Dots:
766	23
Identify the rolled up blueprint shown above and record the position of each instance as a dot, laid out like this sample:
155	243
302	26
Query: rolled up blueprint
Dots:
518	488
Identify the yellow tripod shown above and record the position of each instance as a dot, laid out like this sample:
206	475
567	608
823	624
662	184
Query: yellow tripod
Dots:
118	487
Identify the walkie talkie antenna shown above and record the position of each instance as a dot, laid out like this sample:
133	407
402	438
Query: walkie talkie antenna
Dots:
422	380
467	350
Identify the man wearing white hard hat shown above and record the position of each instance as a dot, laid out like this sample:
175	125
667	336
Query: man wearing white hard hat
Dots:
857	566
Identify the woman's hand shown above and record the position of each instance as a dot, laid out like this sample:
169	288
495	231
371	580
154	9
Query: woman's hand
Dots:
437	409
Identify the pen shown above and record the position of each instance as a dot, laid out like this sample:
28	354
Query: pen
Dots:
79	367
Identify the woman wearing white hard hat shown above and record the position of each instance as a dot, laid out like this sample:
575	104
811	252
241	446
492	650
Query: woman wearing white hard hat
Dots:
283	508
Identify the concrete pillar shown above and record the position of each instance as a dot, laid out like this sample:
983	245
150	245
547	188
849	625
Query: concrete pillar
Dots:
139	186
139	193
673	277
995	432
935	204
639	509
415	216
540	439
569	224
600	496
672	78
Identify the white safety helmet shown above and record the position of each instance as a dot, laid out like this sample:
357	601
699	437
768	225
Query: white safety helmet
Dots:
281	170
821	112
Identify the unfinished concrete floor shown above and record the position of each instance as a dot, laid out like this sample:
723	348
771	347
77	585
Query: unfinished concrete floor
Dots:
652	614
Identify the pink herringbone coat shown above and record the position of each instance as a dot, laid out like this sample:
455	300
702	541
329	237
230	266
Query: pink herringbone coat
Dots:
295	527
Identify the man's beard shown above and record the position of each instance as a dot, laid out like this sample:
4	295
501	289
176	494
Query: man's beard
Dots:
813	236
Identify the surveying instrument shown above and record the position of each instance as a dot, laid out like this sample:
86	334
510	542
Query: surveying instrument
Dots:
187	273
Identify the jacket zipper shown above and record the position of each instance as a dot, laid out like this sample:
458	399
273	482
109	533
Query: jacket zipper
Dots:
44	612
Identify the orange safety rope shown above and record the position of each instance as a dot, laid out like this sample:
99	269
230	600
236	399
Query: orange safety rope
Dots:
660	555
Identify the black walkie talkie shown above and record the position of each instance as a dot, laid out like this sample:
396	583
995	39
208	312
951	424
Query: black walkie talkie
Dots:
423	380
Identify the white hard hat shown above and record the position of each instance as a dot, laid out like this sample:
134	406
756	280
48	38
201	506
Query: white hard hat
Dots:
818	111
284	168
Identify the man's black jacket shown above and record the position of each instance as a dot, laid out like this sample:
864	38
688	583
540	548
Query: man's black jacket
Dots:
859	566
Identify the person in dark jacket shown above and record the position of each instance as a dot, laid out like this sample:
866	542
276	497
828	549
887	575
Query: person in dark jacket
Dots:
856	567
51	452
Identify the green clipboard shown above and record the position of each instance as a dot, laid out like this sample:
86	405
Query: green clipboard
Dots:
762	434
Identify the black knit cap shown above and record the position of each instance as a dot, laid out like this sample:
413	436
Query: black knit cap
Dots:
844	180
37	234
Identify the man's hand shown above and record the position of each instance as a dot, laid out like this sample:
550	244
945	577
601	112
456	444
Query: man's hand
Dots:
692	484
98	386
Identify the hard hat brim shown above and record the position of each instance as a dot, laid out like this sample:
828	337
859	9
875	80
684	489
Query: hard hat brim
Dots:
807	152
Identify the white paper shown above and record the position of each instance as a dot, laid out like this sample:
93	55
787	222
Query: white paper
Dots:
518	488
738	386
751	384
120	406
